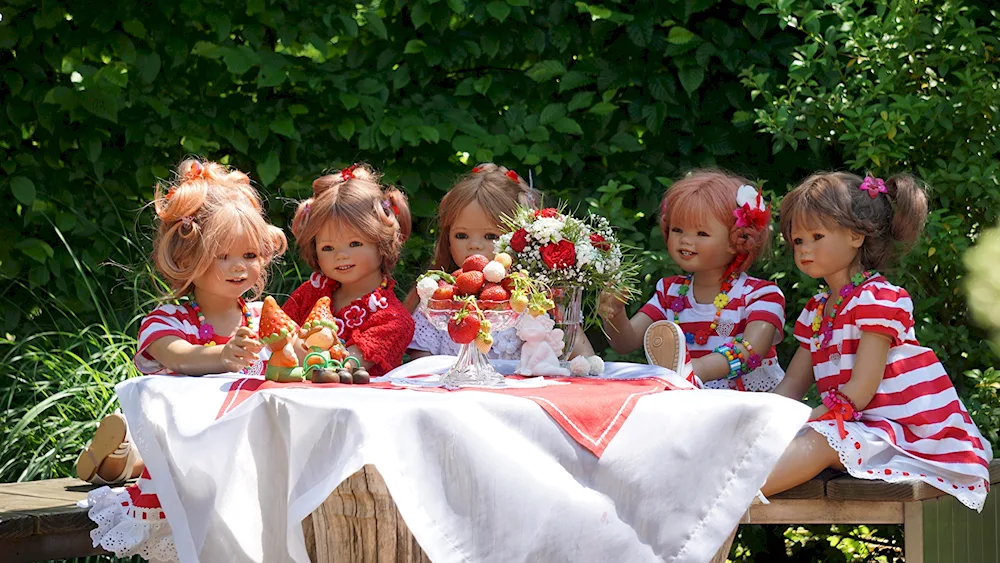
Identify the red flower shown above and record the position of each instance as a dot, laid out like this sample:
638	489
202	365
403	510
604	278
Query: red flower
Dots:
599	242
559	255
519	240
548	213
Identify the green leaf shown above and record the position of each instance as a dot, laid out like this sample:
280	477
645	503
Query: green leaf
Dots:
679	35
574	79
268	169
37	250
580	100
546	70
414	46
24	190
238	140
552	113
377	25
691	78
349	100
626	142
149	66
429	133
286	127
602	108
93	148
346	129
457	6
482	84
135	28
418	14
568	125
237	60
102	102
498	9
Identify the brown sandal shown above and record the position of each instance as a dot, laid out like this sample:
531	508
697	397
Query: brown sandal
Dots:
110	441
664	345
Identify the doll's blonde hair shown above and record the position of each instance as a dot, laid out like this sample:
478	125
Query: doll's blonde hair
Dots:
498	190
201	214
354	197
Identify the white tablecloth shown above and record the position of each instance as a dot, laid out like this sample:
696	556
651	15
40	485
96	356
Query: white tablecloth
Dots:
477	476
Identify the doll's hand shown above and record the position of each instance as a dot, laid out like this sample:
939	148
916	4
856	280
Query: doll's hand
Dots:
610	305
241	350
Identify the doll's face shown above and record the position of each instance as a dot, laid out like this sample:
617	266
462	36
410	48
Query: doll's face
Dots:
700	247
474	232
233	271
822	250
345	255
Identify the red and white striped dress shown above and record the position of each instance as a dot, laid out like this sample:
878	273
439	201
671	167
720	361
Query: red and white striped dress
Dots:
750	299
915	427
131	521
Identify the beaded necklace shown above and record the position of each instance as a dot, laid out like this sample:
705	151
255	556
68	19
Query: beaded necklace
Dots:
823	334
206	331
720	302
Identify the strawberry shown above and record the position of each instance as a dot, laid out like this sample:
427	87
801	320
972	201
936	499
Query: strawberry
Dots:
507	283
519	302
494	292
504	259
469	283
444	292
475	263
463	326
456	273
484	342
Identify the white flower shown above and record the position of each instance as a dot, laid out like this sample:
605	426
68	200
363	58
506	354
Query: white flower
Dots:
494	272
586	253
426	287
748	195
546	230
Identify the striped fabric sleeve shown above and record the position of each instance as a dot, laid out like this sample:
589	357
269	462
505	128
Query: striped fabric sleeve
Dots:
654	308
803	325
165	320
885	310
766	303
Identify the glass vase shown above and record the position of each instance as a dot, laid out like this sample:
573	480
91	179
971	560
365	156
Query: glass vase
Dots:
568	315
472	367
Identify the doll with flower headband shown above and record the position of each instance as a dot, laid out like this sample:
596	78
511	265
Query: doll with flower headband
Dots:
470	221
889	410
351	232
715	324
213	245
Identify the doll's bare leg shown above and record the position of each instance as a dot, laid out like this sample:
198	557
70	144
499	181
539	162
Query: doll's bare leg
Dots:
112	467
805	458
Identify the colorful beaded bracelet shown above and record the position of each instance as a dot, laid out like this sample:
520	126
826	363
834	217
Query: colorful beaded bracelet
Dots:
732	355
754	361
835	399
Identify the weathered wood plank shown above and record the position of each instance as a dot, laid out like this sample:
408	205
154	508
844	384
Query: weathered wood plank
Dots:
946	523
849	488
932	532
913	532
812	489
820	511
45	548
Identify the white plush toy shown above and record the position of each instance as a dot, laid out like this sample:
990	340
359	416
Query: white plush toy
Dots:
542	345
582	366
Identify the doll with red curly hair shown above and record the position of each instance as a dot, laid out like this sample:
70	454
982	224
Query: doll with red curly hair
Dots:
715	324
351	232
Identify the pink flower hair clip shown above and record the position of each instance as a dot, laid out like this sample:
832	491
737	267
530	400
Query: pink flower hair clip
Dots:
873	186
751	210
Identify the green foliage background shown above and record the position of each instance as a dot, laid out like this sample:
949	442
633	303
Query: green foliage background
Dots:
605	102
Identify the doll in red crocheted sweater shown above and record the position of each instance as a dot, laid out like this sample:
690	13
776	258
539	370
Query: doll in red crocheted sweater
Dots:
350	233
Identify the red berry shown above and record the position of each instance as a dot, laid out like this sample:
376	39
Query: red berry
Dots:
507	283
475	263
444	292
494	292
456	273
464	330
469	283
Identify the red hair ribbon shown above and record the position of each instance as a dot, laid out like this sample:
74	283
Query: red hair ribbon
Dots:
477	169
170	193
348	173
195	172
389	206
513	176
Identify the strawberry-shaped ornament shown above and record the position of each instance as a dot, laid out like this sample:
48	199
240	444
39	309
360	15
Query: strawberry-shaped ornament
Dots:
319	331
277	331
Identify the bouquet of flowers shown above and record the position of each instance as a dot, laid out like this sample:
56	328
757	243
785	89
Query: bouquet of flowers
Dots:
560	250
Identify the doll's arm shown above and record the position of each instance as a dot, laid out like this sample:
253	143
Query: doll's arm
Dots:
715	366
582	346
182	357
869	368
798	376
625	334
414	354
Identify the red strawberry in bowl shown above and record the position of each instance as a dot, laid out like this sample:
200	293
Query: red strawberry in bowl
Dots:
444	292
475	263
494	292
469	283
463	326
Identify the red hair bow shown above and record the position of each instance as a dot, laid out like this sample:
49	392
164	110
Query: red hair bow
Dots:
513	176
348	173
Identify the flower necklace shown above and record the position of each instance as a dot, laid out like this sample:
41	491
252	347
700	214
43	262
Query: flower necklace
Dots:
206	331
823	334
720	302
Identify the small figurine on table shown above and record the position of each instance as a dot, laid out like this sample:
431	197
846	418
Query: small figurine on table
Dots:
278	332
327	360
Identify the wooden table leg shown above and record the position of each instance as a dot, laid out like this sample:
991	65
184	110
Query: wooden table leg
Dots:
723	554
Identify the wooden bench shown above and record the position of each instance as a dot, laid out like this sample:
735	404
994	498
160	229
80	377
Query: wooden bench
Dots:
40	520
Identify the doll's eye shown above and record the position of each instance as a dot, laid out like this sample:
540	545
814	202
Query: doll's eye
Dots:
676	230
817	236
461	236
250	256
796	241
492	236
356	243
702	234
326	248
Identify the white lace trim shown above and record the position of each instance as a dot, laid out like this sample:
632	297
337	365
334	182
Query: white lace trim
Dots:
763	379
506	344
854	461
123	530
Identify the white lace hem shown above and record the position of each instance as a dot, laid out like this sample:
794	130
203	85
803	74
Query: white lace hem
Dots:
971	493
126	530
763	379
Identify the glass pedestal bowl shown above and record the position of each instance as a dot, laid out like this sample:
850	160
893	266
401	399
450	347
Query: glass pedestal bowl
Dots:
472	367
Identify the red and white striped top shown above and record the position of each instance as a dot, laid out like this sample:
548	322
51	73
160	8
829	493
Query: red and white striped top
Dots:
915	426
750	299
174	320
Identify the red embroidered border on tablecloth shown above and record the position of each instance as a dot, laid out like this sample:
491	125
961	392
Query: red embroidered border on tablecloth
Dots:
591	411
